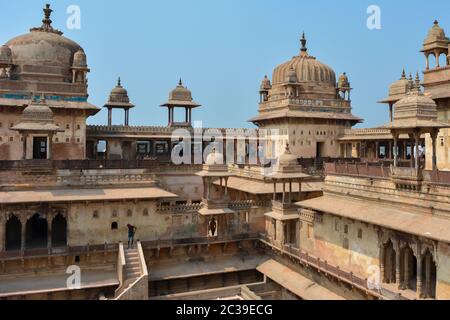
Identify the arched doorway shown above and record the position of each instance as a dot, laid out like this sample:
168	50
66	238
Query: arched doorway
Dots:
36	232
409	268
59	231
389	262
429	275
13	235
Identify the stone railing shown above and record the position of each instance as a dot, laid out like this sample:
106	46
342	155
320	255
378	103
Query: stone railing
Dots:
138	290
179	208
438	177
366	131
358	169
104	129
105	179
60	251
198	240
121	268
243	204
326	268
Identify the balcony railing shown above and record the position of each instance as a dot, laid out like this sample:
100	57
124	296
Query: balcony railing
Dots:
383	170
324	267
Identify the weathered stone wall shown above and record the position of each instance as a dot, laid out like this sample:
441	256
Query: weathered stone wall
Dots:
443	272
331	242
85	228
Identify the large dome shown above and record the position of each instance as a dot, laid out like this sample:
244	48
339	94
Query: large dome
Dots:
43	50
307	69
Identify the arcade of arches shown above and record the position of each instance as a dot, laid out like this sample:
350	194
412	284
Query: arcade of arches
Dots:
409	265
35	231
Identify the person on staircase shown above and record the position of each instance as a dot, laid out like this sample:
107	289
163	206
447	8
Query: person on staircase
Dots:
131	232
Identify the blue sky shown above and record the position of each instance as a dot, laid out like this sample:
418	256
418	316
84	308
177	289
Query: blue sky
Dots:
222	49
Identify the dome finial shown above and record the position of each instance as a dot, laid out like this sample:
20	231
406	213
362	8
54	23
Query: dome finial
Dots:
436	22
119	82
303	41
47	22
180	82
403	74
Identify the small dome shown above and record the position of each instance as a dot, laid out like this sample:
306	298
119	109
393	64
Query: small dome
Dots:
119	94
38	112
436	33
214	158
79	59
287	158
343	81
265	84
180	93
5	55
291	76
400	87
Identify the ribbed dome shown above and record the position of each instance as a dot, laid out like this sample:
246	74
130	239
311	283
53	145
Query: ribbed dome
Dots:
5	55
307	69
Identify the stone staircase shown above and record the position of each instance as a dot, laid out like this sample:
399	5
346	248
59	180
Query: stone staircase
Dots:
133	266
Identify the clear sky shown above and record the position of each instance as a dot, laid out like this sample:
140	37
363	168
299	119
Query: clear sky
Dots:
222	49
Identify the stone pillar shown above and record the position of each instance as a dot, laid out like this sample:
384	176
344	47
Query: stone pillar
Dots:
377	150
226	187
406	269
23	221
382	258
395	149
109	117
186	115
24	152
50	146
284	192
397	267
427	61
434	157
49	231
275	191
427	292
416	150
127	117
290	191
419	275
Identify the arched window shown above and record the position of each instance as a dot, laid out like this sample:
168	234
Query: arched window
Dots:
13	234
114	226
59	231
36	232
